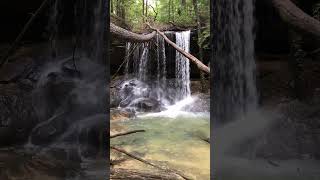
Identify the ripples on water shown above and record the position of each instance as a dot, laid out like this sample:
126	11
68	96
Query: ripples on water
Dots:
171	141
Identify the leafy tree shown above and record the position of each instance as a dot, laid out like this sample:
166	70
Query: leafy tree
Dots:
160	12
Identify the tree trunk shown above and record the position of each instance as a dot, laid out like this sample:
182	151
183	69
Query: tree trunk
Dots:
172	9
111	6
118	8
193	59
146	8
183	3
296	18
202	75
123	11
26	27
130	36
169	8
143	11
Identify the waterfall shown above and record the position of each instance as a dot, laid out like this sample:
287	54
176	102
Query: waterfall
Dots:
235	89
182	66
97	31
53	26
127	59
143	63
161	67
149	65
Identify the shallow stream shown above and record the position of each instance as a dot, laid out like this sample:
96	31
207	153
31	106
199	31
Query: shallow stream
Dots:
171	141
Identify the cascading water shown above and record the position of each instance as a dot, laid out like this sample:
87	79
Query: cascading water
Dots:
183	66
53	26
128	48
143	63
235	88
158	75
67	98
161	67
149	73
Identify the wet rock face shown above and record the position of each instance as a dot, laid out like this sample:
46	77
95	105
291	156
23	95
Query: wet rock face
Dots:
133	94
121	114
147	105
20	164
51	97
294	135
201	104
65	98
131	90
17	116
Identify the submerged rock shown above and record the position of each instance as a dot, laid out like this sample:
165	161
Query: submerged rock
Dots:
121	114
116	128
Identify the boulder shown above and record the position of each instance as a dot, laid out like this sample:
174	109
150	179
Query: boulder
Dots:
121	114
146	105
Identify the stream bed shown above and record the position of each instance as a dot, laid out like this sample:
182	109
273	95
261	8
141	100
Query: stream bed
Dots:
171	141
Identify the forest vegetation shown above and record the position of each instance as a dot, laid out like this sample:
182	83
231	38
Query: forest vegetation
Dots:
134	15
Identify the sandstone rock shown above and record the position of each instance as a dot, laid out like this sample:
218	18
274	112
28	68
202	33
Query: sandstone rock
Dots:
121	114
146	105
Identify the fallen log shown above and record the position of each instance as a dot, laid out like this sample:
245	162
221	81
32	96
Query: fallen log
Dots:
207	140
193	59
26	27
149	163
126	133
130	36
296	18
125	174
134	37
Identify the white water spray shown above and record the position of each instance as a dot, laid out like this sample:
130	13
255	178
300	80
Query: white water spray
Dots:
183	66
143	63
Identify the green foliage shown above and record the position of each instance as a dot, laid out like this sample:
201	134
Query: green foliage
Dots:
204	39
162	12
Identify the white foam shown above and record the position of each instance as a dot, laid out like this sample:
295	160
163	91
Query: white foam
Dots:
176	110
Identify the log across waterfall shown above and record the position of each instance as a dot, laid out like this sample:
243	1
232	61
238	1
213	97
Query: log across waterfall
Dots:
193	59
147	65
130	36
134	37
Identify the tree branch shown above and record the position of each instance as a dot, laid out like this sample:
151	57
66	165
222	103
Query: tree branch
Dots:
14	45
296	18
130	36
193	59
126	133
148	163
